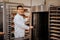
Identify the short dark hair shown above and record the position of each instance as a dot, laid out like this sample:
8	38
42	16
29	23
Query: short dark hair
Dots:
19	6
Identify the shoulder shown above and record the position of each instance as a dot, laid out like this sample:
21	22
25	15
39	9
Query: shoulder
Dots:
17	17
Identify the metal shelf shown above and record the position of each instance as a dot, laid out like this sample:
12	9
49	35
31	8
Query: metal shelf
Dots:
54	38
54	31
54	22
55	17
55	35
55	28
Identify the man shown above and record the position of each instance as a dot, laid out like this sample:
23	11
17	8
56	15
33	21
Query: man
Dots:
20	25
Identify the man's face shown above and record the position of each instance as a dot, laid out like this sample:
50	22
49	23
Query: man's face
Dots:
20	10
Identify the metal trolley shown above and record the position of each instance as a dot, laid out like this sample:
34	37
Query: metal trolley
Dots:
7	8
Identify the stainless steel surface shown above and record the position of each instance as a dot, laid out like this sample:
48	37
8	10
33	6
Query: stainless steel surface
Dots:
54	22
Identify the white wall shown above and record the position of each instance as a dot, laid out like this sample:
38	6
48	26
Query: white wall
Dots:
27	2
37	2
52	2
1	0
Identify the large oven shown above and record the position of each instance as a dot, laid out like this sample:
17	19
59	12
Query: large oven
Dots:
40	24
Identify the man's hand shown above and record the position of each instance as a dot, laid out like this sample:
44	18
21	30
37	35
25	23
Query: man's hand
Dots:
31	27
